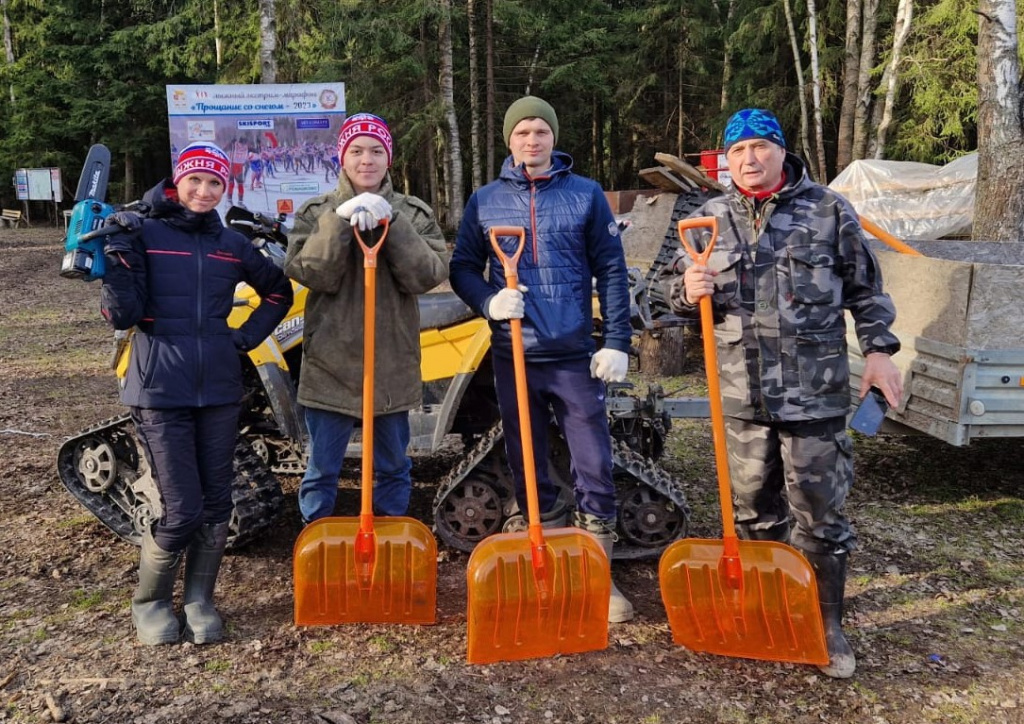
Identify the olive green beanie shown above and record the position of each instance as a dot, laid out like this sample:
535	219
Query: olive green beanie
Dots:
529	107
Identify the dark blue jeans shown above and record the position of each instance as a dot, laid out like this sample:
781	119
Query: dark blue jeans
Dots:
576	399
329	433
191	452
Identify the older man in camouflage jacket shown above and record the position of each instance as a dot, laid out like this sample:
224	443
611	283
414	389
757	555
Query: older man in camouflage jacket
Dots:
790	260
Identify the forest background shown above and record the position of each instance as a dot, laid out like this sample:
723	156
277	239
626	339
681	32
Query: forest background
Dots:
920	80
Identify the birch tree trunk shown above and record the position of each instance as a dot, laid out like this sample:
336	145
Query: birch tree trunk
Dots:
819	133
851	69
217	44
867	62
490	110
881	116
268	42
805	144
8	44
999	200
455	197
726	68
474	97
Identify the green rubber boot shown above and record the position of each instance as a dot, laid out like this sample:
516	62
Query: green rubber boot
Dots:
203	624
620	609
153	602
830	572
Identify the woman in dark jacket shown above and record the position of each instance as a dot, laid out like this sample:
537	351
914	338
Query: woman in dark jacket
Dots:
172	276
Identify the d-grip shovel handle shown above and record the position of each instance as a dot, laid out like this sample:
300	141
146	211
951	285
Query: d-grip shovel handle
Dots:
732	568
510	264
366	541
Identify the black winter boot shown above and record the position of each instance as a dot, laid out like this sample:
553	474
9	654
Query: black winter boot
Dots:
830	572
153	602
203	624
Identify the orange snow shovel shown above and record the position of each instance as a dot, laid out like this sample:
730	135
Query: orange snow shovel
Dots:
753	599
365	570
542	592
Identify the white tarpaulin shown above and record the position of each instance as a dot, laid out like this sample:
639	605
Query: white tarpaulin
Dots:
913	200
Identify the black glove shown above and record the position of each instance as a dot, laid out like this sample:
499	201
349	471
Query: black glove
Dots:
240	342
127	220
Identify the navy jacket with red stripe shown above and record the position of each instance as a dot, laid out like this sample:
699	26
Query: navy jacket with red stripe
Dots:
174	280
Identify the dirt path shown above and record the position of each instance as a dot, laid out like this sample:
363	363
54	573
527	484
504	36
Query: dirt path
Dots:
935	601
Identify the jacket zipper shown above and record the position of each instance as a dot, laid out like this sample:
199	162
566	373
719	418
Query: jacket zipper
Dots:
199	317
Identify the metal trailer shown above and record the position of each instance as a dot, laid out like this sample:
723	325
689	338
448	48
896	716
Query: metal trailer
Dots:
962	356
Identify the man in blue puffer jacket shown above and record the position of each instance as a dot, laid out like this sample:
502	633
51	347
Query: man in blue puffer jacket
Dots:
172	276
571	241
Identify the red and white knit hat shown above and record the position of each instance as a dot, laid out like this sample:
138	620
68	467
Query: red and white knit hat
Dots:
364	124
202	157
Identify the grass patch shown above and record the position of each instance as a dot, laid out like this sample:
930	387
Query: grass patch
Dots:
320	647
84	600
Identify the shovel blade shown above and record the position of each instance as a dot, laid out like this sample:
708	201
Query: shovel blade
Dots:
770	613
515	613
332	586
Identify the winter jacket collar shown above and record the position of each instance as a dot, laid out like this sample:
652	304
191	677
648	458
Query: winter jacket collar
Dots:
561	163
164	205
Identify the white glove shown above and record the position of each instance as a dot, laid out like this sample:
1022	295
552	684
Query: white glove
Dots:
365	211
609	365
507	304
348	208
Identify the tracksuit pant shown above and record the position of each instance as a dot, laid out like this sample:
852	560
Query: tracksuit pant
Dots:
565	390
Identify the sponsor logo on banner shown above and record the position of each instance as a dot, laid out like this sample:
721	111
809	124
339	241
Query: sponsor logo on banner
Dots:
301	187
312	124
201	131
261	124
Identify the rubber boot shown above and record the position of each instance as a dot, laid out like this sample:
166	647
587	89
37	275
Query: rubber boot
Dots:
153	602
830	572
620	609
203	624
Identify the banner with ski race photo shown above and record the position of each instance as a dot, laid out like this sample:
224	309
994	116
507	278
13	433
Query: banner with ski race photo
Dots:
282	139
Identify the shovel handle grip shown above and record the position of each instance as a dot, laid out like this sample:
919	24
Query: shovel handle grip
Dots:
707	329
370	252
701	222
509	262
369	343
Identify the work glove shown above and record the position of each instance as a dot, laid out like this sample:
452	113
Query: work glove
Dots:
365	211
609	365
127	220
507	304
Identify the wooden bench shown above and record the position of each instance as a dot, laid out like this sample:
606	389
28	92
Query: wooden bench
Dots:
12	218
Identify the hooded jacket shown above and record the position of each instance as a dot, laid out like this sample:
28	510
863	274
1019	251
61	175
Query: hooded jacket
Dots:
324	256
571	239
174	279
788	269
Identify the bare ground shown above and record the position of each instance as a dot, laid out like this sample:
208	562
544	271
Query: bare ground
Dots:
934	602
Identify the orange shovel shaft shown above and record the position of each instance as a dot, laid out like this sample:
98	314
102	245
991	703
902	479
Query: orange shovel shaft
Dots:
509	265
369	342
707	327
884	236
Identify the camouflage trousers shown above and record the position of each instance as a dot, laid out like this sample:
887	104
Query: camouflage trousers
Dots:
802	470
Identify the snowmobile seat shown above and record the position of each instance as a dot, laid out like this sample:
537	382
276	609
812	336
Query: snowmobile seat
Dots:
443	309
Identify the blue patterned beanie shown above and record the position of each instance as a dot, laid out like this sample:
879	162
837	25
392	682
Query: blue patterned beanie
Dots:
753	123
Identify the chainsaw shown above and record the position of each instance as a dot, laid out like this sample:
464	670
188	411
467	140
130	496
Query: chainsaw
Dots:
83	245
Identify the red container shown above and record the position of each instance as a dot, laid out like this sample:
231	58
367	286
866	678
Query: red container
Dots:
713	162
